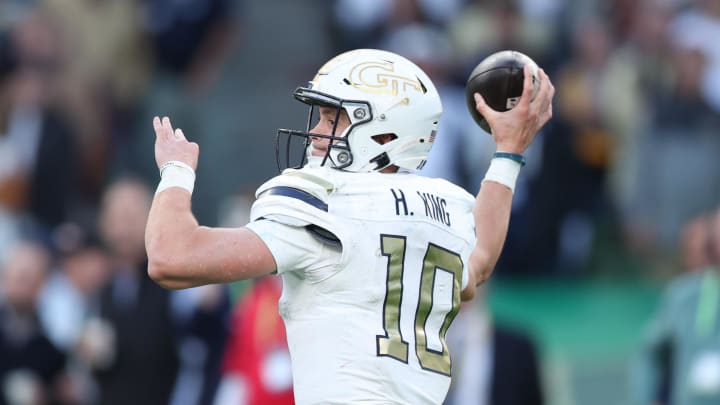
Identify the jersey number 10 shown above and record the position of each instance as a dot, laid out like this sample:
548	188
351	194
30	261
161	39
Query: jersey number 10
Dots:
392	343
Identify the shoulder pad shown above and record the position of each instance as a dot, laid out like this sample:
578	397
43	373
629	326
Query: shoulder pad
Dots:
307	181
296	197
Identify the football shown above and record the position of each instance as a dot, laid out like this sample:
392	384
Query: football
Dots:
499	79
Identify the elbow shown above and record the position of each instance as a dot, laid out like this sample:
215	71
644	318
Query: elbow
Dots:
481	266
160	270
163	268
483	275
171	263
468	293
156	271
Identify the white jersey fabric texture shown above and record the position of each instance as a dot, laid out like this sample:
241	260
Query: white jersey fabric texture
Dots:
372	267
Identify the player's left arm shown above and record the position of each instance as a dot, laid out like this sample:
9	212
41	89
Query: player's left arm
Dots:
513	131
181	253
492	218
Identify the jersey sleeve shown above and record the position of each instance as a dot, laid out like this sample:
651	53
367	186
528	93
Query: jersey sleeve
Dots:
296	249
291	216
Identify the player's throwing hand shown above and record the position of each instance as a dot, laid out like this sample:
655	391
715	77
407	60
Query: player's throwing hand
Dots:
515	129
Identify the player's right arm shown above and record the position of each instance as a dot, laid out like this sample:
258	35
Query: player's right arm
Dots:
513	131
183	254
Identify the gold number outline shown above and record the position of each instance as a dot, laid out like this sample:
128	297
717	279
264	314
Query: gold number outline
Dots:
392	344
437	258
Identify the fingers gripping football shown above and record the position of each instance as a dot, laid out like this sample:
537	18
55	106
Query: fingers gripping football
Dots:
515	129
171	144
544	99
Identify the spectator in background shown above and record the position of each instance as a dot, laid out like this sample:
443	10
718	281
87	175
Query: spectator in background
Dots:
149	345
680	141
679	361
68	302
106	64
38	171
577	146
693	29
191	43
357	24
70	294
484	27
189	39
31	367
201	316
640	70
9	224
696	243
364	23
139	360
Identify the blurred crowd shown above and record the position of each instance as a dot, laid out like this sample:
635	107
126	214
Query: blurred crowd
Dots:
628	160
679	357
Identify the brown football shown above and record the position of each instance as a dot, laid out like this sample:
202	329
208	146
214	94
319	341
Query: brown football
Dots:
499	79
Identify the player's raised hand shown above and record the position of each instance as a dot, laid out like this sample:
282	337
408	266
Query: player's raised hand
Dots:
515	129
171	144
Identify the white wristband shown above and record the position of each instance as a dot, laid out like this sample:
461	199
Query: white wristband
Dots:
503	171
176	174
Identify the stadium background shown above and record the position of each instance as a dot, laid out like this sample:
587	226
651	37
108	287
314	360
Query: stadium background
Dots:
604	199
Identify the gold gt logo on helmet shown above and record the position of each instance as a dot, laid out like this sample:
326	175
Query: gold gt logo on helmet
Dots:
378	77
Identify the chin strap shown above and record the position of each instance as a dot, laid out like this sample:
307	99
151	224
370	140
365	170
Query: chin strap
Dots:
382	161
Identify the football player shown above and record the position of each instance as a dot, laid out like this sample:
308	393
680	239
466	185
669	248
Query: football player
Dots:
374	258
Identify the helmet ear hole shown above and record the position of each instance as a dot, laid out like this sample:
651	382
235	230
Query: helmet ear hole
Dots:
382	139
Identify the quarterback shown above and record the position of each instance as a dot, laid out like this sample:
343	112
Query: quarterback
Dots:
374	258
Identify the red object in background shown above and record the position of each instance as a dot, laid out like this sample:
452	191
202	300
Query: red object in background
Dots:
257	348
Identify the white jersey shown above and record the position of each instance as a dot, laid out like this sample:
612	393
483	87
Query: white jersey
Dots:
373	265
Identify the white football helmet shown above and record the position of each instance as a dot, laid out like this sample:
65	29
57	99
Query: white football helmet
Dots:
382	93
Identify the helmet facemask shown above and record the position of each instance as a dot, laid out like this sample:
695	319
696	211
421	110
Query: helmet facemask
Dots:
298	143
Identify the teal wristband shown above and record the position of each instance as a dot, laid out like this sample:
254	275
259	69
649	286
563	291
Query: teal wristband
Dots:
512	156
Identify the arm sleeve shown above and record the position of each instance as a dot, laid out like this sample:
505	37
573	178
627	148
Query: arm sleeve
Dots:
295	249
